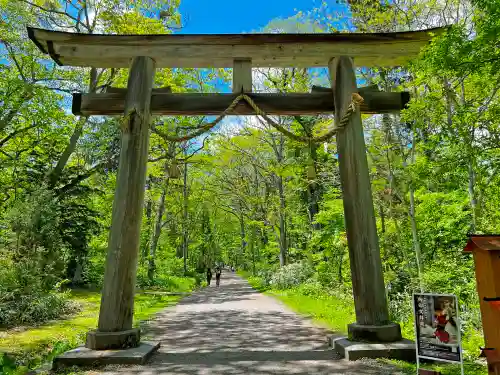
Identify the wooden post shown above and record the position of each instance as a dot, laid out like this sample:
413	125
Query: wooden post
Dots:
372	317
117	302
242	75
486	251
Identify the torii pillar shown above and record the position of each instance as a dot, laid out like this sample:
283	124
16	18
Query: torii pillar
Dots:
117	302
222	51
372	316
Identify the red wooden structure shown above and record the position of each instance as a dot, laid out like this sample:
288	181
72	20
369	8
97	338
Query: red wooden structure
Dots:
486	251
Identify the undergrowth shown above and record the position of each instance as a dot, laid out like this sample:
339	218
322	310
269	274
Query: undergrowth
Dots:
335	310
27	348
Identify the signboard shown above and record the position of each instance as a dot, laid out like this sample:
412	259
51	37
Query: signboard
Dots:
437	327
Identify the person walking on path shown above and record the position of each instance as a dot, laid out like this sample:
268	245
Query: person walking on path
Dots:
217	276
209	276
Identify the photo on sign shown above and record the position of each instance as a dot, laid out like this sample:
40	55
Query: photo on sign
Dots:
437	327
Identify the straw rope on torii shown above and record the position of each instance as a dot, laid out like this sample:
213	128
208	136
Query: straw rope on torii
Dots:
144	54
356	101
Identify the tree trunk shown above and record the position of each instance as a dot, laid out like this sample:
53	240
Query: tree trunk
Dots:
313	188
263	237
282	225
413	220
149	213
341	261
242	238
282	213
449	104
471	172
117	302
382	217
156	234
252	247
472	196
56	172
366	266
185	218
78	276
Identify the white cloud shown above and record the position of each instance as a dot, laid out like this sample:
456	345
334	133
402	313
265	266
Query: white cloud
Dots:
233	125
230	126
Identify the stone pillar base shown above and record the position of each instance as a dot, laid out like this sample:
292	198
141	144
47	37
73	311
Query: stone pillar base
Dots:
364	333
403	350
85	357
113	340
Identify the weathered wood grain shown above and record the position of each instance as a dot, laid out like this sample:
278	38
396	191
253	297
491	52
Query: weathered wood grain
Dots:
488	285
213	104
219	51
364	254
361	90
123	90
117	302
242	75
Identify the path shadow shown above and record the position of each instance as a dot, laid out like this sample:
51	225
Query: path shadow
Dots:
236	330
229	291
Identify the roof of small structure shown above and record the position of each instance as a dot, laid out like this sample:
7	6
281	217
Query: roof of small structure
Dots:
219	51
488	242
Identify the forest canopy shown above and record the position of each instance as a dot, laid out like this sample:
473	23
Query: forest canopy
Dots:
244	194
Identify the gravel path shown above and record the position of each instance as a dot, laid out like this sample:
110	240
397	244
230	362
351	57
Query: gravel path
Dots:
235	330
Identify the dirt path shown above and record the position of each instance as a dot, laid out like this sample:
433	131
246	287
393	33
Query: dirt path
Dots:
236	330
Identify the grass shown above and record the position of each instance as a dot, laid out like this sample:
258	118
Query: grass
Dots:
29	348
175	284
337	312
318	307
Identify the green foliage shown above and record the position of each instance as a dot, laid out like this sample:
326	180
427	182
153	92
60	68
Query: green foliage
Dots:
250	197
25	300
168	283
27	349
33	308
335	309
291	275
33	261
445	369
258	283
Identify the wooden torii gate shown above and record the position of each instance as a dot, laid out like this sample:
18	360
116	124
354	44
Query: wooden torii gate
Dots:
143	53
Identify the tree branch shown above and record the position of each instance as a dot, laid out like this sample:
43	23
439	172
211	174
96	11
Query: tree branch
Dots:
55	173
12	55
6	154
54	11
7	118
79	179
14	133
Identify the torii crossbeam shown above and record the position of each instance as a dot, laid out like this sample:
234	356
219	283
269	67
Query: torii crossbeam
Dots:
220	51
144	53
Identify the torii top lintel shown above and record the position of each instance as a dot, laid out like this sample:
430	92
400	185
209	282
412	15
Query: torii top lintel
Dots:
219	51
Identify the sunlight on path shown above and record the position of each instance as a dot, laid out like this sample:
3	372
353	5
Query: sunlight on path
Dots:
236	330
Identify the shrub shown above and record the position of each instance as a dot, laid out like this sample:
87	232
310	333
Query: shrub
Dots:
311	289
265	276
35	308
24	297
328	273
167	283
198	277
93	271
291	275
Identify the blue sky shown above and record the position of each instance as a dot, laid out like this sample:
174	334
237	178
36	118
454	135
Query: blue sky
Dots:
237	16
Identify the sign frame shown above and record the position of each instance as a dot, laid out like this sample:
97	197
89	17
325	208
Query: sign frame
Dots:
416	314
